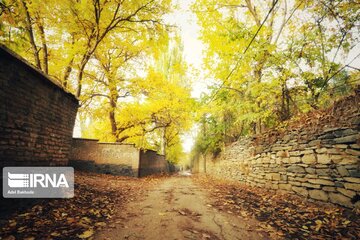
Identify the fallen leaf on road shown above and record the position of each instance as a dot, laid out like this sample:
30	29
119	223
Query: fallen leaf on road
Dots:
74	216
182	213
285	215
86	234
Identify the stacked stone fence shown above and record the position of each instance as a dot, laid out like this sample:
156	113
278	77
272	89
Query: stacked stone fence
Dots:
316	156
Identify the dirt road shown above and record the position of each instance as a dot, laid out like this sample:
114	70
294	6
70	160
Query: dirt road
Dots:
199	207
177	209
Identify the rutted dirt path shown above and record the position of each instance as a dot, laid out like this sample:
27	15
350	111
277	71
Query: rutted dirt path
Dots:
156	207
176	208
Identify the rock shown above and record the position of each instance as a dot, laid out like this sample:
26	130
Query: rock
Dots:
321	166
326	136
307	151
307	176
299	179
295	153
310	170
340	199
295	160
326	177
349	160
323	159
355	146
353	152
329	189
335	151
352	179
265	160
282	154
318	195
344	132
309	185
347	139
346	192
352	167
295	183
323	172
275	176
268	176
321	182
314	143
352	186
296	169
336	158
339	184
354	172
285	186
340	146
301	191
321	150
279	148
331	130
309	159
343	171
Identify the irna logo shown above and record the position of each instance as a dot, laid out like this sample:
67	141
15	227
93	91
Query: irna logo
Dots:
16	180
38	182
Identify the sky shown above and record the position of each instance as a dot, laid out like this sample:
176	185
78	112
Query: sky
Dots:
186	21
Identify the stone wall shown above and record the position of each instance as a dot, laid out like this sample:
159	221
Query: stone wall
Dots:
316	156
112	158
36	115
199	163
152	163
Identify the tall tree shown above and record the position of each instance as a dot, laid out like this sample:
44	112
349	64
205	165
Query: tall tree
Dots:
98	19
158	109
270	61
75	29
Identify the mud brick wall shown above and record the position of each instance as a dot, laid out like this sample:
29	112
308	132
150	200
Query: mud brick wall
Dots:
36	115
115	158
152	163
317	156
109	158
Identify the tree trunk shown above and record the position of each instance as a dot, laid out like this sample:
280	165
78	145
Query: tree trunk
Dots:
81	73
44	46
67	73
285	103
69	66
163	144
30	31
112	118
